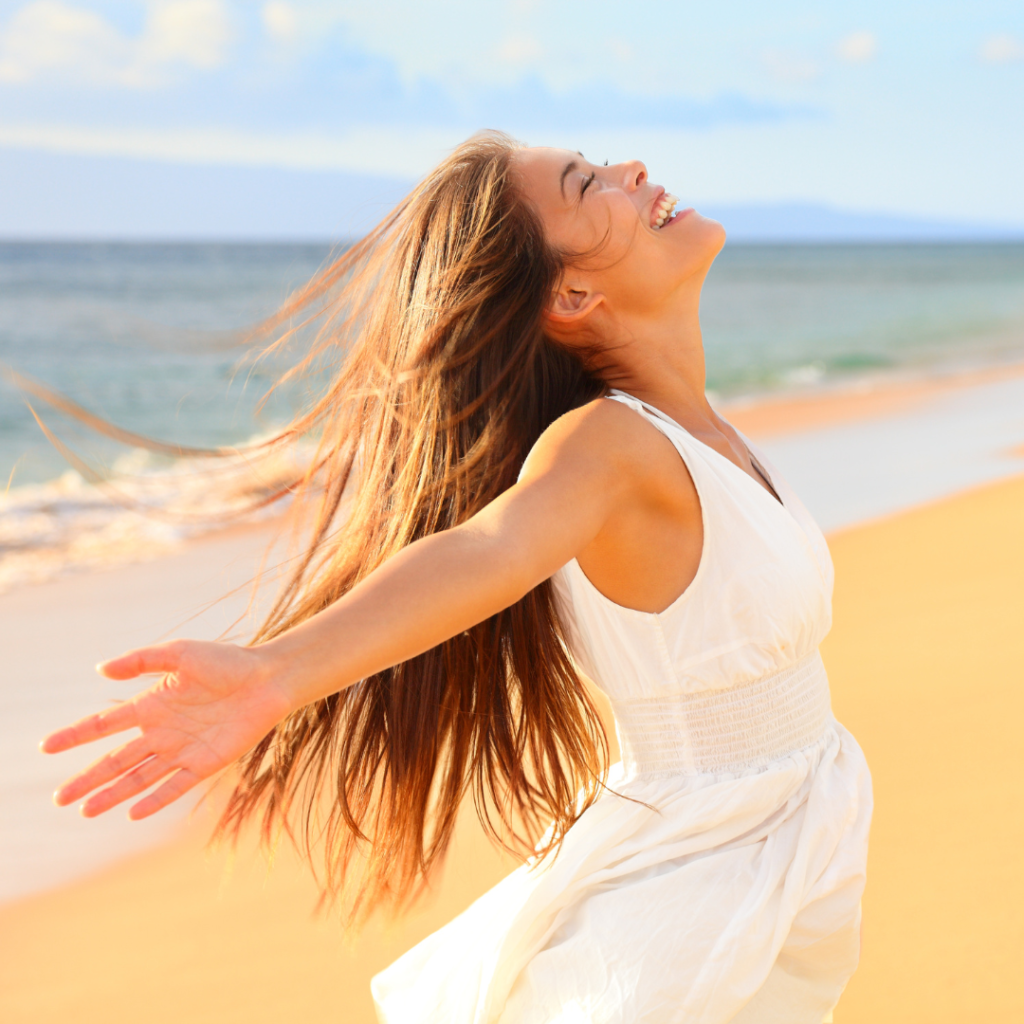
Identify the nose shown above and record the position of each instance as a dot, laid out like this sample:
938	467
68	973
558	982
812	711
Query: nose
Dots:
634	174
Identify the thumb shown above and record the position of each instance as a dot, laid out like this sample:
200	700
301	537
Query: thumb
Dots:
158	658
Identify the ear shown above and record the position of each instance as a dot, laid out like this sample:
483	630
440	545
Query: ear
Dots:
571	305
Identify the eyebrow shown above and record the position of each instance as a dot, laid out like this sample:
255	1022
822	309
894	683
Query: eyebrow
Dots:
566	171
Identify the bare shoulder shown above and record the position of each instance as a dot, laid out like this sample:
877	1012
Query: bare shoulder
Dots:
603	435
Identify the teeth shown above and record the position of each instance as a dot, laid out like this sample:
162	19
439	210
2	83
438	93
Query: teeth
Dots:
665	207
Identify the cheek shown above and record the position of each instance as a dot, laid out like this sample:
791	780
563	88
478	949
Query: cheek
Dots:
608	226
605	225
643	274
654	266
580	234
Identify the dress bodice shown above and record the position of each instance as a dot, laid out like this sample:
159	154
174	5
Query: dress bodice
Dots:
735	656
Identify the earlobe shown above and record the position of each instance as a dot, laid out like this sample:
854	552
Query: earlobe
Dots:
570	305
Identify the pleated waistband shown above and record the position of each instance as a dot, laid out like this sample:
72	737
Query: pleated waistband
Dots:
730	730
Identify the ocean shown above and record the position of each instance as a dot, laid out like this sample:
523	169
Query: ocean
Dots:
144	335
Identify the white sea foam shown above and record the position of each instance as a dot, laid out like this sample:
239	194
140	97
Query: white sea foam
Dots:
142	511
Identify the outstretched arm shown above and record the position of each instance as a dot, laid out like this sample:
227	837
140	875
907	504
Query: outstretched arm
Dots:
215	701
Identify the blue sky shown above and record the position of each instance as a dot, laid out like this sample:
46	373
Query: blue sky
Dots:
909	107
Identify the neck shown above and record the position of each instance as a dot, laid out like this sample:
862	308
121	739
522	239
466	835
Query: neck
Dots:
659	357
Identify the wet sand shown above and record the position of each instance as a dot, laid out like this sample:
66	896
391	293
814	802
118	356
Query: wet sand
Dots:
790	413
925	661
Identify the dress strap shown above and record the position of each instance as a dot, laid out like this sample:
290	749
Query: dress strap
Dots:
645	409
676	432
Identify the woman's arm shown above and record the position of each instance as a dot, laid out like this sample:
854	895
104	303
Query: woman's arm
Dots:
448	582
217	700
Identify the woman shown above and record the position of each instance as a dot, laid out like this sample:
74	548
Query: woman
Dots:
540	489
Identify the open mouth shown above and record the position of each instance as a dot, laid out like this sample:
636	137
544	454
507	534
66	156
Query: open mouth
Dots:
663	208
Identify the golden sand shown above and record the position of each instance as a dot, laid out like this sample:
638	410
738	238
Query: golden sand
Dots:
795	412
926	662
927	666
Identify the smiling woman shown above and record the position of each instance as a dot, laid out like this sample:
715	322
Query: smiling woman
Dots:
536	490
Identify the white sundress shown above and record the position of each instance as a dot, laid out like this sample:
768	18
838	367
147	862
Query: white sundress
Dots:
728	888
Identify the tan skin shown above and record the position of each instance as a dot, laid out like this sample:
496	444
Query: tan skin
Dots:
638	297
601	485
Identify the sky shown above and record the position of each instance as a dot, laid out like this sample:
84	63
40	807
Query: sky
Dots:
912	108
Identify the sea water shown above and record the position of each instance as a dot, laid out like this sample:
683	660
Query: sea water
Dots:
147	336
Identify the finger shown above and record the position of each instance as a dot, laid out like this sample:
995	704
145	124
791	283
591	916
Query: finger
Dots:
95	727
103	770
143	660
176	786
127	786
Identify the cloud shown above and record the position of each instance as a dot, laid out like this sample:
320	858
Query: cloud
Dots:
858	48
49	38
1001	49
621	50
332	103
789	68
196	32
530	105
520	49
280	20
398	133
397	151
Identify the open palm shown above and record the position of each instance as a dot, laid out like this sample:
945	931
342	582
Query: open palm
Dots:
214	702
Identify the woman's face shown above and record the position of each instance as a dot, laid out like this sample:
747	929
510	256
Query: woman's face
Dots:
611	213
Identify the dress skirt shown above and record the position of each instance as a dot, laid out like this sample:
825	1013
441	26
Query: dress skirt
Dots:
701	899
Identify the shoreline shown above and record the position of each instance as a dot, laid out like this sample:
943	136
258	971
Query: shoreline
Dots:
762	416
769	414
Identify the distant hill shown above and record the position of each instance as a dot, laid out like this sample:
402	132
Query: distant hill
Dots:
811	222
56	196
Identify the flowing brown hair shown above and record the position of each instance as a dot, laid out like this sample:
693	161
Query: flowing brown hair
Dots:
446	380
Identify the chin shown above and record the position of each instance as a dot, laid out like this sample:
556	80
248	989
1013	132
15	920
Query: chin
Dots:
707	233
712	225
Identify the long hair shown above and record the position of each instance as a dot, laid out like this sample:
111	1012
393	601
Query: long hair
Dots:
445	381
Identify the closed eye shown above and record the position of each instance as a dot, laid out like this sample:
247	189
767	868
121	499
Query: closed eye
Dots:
587	183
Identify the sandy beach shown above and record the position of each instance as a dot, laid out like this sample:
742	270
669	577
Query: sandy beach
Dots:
924	660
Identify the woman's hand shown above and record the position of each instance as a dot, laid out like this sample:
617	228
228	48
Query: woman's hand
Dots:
215	702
